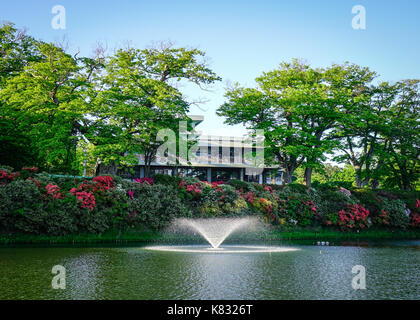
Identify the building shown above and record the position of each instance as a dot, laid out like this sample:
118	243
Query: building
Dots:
217	158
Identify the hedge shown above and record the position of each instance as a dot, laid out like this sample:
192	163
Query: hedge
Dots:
38	203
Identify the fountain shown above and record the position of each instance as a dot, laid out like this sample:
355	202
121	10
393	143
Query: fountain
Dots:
215	231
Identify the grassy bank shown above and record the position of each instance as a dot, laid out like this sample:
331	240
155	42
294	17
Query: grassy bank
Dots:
132	236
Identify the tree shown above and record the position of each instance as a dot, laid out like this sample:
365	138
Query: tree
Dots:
295	108
402	138
49	98
379	134
361	120
17	50
140	97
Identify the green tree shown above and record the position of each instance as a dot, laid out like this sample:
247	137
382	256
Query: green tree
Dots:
401	144
140	97
17	50
50	98
295	108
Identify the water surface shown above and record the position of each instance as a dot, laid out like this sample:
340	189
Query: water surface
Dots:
312	272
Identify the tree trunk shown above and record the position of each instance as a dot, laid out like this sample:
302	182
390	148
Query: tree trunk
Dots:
357	170
375	184
365	182
110	168
308	177
287	175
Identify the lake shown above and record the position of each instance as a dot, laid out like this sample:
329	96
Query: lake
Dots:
135	272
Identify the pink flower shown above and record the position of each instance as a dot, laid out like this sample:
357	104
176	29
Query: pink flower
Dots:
86	198
103	182
53	191
142	180
268	189
345	191
130	193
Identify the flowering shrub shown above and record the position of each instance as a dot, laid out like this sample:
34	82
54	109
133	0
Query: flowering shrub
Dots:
143	180
305	216
353	217
249	197
330	219
399	215
27	172
225	194
266	207
333	201
216	183
194	189
103	183
382	219
30	169
53	191
415	220
6	177
154	205
311	205
40	203
35	181
344	191
87	199
268	189
239	206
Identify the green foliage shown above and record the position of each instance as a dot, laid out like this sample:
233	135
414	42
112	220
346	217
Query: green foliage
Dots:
21	208
308	113
332	201
241	185
141	99
166	180
370	200
397	211
156	205
191	180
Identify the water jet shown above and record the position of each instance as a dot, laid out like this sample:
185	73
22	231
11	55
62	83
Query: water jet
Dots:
215	231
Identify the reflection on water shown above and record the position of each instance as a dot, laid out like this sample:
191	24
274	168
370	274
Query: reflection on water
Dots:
312	272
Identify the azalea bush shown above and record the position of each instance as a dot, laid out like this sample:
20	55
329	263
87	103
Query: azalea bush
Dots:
6	176
154	205
353	217
415	219
40	203
144	180
398	213
37	204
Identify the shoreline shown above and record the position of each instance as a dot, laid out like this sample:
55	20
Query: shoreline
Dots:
135	236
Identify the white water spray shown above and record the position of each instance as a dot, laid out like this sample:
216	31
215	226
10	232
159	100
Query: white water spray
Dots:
216	230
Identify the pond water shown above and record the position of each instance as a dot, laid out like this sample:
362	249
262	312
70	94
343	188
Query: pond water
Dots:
135	272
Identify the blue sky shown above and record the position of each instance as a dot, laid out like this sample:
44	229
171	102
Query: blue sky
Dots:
241	38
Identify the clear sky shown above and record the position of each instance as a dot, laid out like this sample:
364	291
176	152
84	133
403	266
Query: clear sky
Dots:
241	38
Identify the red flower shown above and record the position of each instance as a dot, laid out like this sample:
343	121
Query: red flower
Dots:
142	180
353	216
103	183
86	198
53	191
268	189
6	177
415	220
